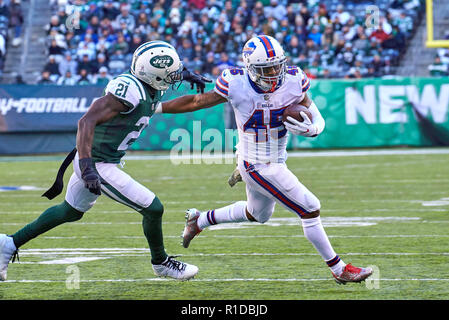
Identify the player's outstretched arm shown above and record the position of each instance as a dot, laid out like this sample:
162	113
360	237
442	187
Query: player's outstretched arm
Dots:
191	102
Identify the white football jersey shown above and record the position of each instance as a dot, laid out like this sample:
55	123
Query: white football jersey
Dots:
258	114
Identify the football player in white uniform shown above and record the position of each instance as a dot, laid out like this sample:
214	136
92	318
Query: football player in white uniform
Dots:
259	94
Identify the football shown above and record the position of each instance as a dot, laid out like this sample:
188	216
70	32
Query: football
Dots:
294	112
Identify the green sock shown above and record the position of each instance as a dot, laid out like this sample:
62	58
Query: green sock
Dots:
152	228
49	219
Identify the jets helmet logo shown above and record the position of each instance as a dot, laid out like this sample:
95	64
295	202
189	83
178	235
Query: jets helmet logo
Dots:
161	62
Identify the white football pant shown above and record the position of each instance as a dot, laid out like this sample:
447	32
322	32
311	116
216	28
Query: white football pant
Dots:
269	183
116	184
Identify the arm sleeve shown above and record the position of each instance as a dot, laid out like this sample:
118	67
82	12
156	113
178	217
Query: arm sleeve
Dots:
222	84
127	90
305	82
158	108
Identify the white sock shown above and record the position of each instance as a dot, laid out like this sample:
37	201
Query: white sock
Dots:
314	232
235	212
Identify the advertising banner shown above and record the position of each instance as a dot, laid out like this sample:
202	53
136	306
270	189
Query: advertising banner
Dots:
379	112
358	113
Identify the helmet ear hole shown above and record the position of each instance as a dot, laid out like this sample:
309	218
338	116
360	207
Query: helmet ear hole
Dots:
158	78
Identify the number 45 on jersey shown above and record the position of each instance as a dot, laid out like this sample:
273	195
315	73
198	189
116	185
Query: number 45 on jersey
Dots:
264	121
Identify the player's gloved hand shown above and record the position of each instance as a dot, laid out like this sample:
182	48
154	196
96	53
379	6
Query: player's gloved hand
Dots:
195	79
305	128
91	178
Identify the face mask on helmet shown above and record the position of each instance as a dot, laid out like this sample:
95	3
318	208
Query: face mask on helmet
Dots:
157	64
265	62
171	79
269	77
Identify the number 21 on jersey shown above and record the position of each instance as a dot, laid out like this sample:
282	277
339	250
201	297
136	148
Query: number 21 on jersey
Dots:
258	124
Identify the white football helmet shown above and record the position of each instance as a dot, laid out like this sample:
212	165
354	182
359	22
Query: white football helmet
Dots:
265	62
157	63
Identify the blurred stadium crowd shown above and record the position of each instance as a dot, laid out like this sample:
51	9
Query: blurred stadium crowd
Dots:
11	21
327	38
440	66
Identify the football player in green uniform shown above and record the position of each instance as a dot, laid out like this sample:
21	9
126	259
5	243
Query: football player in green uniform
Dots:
112	123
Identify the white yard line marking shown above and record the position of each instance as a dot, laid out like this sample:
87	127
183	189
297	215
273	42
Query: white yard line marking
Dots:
315	254
72	260
273	222
51	256
87	223
440	202
220	280
253	236
429	208
97	251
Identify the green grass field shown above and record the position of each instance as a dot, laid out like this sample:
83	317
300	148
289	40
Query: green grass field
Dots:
387	211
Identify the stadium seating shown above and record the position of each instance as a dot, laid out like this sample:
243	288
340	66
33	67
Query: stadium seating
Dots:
440	66
4	24
328	38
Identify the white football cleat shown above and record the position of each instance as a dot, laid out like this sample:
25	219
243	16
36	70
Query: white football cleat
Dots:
175	269
191	229
8	250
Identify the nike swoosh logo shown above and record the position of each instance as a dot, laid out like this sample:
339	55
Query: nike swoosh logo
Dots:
126	82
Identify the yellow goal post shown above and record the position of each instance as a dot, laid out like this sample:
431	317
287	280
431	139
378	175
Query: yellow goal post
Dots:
431	42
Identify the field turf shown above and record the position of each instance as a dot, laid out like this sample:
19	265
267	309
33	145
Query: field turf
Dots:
387	211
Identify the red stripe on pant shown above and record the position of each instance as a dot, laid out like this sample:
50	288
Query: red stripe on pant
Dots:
276	193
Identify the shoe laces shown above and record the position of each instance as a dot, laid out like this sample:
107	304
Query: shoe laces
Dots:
171	263
350	268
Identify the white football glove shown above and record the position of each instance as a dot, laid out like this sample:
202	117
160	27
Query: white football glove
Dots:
305	128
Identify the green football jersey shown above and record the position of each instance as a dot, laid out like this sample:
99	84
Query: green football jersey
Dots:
113	138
